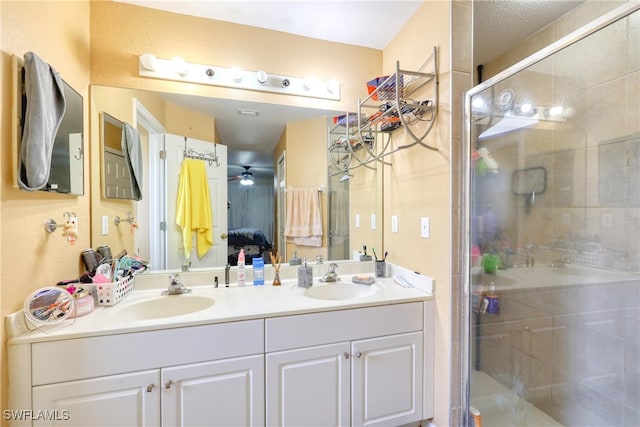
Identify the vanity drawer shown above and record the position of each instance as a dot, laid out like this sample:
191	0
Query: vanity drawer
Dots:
78	358
288	332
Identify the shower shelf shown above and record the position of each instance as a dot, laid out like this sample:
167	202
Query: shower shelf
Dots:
364	137
390	106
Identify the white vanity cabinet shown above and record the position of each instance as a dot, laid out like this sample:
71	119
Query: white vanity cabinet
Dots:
343	366
366	367
131	399
228	392
172	377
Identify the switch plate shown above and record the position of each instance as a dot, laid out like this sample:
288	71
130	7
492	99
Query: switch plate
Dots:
373	221
566	219
607	220
394	223
357	220
105	225
425	225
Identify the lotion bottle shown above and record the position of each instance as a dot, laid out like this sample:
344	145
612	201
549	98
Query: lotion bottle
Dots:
242	279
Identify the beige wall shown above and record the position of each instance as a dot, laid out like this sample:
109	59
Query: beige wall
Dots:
59	33
419	182
306	146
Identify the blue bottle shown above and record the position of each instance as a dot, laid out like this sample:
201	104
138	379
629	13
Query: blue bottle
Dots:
258	271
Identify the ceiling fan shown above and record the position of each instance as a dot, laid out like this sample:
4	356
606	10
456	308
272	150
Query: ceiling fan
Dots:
246	177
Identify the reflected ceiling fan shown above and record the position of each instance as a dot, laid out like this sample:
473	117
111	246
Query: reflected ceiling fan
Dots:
246	177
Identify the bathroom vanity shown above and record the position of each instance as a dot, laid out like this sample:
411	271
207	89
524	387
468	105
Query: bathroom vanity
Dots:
253	356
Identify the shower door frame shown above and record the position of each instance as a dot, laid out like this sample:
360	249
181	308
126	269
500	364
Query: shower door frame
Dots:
464	237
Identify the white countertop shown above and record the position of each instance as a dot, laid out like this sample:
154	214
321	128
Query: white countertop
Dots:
231	304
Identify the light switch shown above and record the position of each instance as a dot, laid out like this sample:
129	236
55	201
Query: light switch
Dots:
373	221
425	227
105	225
357	220
394	223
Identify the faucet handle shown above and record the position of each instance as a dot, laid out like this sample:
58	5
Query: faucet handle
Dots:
332	267
175	278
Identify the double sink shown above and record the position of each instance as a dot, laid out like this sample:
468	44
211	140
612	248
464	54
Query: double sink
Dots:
155	306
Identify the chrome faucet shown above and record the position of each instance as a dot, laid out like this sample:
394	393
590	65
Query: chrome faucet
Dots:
186	266
330	275
175	286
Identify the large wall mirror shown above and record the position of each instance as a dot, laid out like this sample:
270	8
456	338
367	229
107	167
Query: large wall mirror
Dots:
254	135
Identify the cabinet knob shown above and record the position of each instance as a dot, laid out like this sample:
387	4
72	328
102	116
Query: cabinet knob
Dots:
358	355
168	384
150	387
346	355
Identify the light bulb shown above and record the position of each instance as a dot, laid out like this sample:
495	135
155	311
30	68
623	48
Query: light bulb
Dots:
149	61
556	111
262	76
180	65
333	86
236	74
309	83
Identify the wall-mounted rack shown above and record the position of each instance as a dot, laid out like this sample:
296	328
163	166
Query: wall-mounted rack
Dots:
405	100
207	156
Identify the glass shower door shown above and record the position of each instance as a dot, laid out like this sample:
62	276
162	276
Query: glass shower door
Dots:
554	236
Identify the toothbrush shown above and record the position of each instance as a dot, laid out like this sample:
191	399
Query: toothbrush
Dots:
374	254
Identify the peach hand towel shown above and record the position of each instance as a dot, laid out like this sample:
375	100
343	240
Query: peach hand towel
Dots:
303	224
193	207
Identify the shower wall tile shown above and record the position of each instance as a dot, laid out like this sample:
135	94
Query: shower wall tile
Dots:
605	115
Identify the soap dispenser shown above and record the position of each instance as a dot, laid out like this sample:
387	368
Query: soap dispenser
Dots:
305	275
242	279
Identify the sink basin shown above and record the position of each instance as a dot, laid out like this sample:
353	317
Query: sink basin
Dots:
167	306
340	291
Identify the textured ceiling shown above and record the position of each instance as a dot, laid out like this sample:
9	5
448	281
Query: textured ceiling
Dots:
500	25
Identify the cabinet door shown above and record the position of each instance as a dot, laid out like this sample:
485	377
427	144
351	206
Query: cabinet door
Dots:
387	380
119	400
227	392
309	386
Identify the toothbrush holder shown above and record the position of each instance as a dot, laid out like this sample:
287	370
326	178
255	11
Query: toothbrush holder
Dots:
381	268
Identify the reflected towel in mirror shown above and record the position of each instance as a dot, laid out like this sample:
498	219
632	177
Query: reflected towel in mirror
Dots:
132	150
303	225
193	207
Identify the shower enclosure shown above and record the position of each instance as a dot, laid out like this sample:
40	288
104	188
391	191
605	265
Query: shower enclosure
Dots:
552	290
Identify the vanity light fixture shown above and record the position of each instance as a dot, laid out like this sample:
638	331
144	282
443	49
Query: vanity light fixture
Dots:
234	77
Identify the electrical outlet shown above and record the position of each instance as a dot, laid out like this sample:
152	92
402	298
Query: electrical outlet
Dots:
105	225
394	223
357	221
425	226
607	220
373	221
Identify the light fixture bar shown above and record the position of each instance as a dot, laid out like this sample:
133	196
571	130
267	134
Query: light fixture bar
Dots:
234	77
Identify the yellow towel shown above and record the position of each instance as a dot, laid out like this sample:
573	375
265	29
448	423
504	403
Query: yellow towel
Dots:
193	207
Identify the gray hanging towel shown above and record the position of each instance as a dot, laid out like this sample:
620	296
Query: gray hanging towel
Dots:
133	156
45	108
